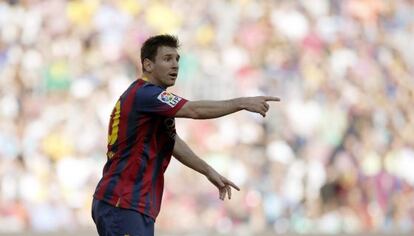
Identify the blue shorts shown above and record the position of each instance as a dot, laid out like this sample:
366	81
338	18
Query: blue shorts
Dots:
110	220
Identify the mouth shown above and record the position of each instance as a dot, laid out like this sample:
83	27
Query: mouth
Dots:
173	75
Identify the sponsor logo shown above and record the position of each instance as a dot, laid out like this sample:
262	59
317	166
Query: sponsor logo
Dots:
169	98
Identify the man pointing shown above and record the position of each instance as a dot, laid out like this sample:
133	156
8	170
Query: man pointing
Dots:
142	138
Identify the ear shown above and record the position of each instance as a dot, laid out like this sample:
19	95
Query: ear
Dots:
148	65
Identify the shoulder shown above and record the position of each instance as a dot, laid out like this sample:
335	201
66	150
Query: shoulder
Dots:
150	94
146	89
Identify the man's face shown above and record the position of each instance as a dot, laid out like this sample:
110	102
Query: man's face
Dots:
164	69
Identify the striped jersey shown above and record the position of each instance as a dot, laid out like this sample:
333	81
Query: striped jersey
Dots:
141	139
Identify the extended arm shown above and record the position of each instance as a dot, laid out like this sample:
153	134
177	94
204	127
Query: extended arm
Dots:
214	109
185	155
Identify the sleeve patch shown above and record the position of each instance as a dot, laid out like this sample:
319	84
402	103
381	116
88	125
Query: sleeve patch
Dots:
168	98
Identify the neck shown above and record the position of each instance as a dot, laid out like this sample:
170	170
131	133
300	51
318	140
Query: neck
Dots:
150	79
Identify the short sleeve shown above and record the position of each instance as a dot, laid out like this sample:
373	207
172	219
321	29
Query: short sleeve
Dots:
153	99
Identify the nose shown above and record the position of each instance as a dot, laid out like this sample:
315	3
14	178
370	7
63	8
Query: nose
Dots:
175	64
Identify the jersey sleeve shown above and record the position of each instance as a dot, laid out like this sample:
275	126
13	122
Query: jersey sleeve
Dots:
153	99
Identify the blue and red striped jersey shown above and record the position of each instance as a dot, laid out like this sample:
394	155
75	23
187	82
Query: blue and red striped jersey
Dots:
141	139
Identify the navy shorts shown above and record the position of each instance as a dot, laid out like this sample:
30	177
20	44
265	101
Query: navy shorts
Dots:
111	221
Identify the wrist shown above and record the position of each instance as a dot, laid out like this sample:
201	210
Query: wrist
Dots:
239	103
208	171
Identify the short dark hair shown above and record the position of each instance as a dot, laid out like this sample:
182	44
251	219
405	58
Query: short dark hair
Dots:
151	45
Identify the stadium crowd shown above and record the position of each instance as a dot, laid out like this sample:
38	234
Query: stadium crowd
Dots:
336	155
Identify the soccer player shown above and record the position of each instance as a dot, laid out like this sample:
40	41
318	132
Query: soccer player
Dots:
142	138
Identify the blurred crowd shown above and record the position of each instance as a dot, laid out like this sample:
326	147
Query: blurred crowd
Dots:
335	155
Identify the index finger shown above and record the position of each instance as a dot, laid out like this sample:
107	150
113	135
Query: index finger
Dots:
270	98
233	185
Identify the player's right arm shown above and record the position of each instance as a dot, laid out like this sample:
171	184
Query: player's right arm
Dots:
215	109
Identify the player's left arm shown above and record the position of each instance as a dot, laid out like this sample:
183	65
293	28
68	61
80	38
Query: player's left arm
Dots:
186	156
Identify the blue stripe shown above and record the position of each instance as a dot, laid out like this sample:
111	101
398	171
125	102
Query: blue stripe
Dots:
147	204
144	163
126	152
158	164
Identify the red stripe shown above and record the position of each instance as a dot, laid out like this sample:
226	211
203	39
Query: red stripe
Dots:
146	179
131	173
123	129
174	110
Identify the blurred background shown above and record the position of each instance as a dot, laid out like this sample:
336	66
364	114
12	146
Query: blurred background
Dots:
336	156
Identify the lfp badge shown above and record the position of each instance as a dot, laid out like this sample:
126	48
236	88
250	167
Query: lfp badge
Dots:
168	98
